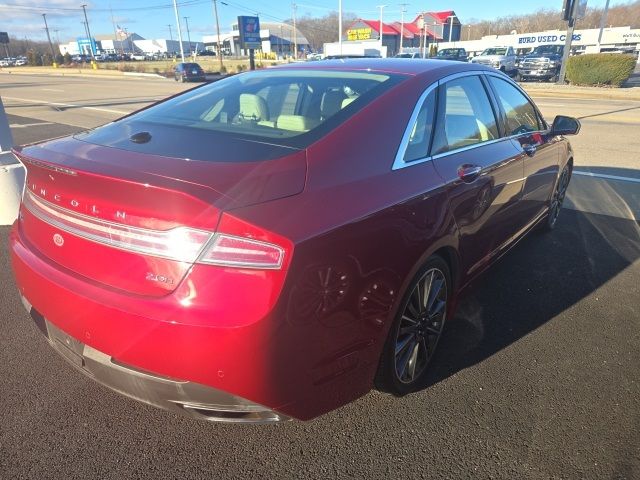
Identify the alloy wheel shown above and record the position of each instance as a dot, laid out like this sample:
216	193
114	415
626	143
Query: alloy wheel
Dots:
420	325
559	196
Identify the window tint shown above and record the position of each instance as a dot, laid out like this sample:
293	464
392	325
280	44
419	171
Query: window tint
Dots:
284	107
465	115
521	115
420	137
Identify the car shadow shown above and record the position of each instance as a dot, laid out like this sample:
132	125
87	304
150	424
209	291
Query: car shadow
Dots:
544	275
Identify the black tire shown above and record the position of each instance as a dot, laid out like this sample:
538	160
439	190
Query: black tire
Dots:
414	335
557	199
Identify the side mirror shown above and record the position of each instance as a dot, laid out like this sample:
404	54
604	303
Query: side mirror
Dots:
565	125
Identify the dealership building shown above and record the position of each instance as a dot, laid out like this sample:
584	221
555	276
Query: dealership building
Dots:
129	43
276	37
363	36
615	39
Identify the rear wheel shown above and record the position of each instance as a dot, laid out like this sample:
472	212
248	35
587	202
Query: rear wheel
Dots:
557	199
416	330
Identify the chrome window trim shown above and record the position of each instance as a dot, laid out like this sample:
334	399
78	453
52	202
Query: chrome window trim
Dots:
399	161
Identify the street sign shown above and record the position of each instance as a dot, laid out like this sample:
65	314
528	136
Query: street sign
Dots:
4	37
249	28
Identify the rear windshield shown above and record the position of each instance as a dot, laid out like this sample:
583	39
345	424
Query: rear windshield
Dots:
547	49
289	108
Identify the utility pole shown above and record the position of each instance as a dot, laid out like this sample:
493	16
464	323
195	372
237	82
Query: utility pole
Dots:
219	52
469	32
53	54
569	14
84	9
295	32
402	10
381	7
186	20
175	10
115	33
603	22
170	34
340	25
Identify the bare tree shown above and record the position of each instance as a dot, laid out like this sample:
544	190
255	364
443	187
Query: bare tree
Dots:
625	14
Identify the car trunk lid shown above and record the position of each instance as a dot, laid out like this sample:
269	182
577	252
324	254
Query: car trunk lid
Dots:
134	221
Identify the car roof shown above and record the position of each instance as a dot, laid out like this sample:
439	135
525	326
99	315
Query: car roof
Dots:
407	66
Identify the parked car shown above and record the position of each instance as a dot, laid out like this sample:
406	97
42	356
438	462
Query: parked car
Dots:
20	62
543	63
408	55
274	244
500	58
189	72
457	54
5	62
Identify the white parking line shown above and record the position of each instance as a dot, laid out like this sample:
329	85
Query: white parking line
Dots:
25	125
608	177
51	90
58	104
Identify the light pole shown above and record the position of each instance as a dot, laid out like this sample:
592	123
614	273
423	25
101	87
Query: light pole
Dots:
170	34
381	7
295	32
46	27
219	48
186	21
469	32
175	10
86	22
340	25
402	10
451	25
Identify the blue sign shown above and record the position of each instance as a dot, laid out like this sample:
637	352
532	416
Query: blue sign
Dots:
249	28
85	45
548	38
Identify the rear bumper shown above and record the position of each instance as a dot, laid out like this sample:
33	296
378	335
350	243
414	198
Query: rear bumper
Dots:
183	397
210	372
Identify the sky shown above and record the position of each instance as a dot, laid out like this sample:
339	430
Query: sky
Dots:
150	18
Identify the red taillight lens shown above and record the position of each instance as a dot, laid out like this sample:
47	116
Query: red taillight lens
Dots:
242	252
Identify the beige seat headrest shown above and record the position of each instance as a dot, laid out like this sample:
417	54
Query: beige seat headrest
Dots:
253	107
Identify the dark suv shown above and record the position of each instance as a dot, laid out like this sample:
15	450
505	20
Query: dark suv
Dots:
188	72
543	63
459	54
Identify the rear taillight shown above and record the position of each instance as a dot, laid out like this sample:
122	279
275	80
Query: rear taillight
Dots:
183	244
242	252
242	245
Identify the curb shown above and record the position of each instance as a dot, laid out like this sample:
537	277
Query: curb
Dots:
138	74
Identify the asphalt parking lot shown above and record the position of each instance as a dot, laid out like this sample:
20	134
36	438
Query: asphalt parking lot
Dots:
537	376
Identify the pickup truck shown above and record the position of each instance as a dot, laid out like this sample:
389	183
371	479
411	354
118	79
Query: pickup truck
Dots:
500	58
543	63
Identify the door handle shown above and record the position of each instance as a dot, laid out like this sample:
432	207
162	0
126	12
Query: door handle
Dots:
468	173
530	149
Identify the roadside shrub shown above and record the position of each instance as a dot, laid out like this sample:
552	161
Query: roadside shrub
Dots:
600	69
239	68
141	69
59	59
67	59
123	67
47	61
223	70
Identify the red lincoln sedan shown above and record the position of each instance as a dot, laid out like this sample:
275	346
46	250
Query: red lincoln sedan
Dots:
275	244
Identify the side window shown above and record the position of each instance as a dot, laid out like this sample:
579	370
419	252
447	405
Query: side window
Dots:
465	116
521	114
420	137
